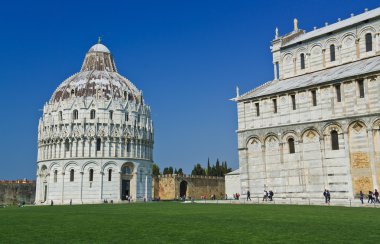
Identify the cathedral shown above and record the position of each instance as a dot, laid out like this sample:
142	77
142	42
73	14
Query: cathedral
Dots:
316	125
95	137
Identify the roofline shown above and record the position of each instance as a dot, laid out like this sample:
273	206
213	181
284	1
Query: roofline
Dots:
324	30
353	77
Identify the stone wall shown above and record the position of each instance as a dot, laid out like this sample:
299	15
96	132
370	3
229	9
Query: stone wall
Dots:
14	192
168	187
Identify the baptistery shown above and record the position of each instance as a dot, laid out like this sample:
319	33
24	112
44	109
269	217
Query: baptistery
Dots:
95	138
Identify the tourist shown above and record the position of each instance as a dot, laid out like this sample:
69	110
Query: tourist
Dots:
51	203
376	196
265	197
325	195
328	196
370	198
248	196
71	202
271	195
361	196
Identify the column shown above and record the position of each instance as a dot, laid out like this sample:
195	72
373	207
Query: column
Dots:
81	187
339	47
372	158
324	57
101	184
324	169
308	61
348	163
37	197
146	187
63	187
357	44
71	147
294	66
377	42
275	70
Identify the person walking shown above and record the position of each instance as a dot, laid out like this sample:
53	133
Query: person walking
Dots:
361	196
328	197
370	198
325	195
265	197
249	196
376	196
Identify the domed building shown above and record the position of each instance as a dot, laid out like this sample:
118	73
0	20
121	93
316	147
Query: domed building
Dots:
95	137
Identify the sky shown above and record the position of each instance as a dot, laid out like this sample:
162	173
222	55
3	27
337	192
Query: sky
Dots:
186	56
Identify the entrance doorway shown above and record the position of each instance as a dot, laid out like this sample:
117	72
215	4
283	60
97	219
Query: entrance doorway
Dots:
125	189
182	188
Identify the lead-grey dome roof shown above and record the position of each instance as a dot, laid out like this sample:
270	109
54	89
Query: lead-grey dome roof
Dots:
97	78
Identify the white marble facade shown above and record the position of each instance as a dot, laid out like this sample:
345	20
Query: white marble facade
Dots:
95	137
315	126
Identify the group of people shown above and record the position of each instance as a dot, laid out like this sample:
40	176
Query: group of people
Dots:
373	197
236	196
268	195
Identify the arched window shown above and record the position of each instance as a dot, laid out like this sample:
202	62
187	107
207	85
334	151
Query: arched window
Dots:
75	114
67	145
302	61
291	145
111	114
72	175
55	175
98	144
334	140
368	42
128	147
332	52
60	115
92	114
91	176
109	174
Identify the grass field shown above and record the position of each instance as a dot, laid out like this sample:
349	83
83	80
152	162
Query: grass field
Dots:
191	223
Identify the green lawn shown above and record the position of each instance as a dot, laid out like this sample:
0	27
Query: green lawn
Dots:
192	223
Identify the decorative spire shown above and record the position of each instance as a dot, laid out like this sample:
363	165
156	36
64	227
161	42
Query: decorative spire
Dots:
276	36
237	92
99	39
295	25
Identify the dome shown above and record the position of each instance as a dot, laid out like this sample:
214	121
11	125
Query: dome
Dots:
97	78
99	48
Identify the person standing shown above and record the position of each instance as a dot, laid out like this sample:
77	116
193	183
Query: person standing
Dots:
325	195
361	196
249	196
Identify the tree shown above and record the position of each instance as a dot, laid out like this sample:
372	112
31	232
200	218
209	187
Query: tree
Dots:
171	170
217	167
175	171
166	171
180	171
208	167
155	170
198	170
